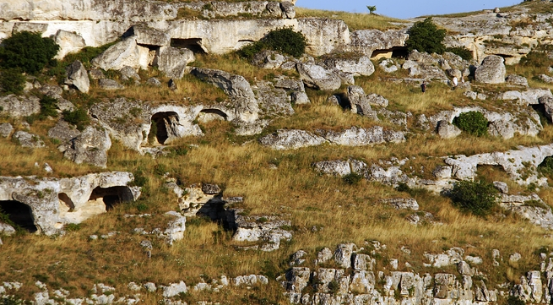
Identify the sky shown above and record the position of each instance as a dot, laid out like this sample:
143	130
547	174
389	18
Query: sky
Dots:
406	8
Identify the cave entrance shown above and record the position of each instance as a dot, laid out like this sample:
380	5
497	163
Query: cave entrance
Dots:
20	214
541	110
395	52
163	126
111	196
208	115
193	44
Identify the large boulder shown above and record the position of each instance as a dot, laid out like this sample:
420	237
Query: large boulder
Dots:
317	77
145	35
172	61
121	54
447	130
77	76
69	42
291	139
357	65
63	131
91	146
359	102
19	106
491	70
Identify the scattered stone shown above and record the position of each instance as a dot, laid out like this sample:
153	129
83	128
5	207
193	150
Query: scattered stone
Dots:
129	74
6	129
388	66
443	172
402	203
517	80
174	289
291	139
501	186
447	130
152	81
545	78
91	146
96	74
150	287
63	131
317	77
515	257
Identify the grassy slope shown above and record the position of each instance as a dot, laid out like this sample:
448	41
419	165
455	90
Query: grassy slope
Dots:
340	211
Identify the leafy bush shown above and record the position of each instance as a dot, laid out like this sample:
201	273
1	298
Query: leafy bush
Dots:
473	122
538	57
514	301
462	52
426	37
48	107
77	117
12	81
283	40
27	51
476	197
352	178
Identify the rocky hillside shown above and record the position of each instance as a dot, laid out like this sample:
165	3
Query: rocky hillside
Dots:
159	160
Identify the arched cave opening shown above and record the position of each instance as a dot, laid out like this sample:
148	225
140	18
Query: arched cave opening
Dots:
111	196
161	126
395	52
193	44
541	110
207	115
20	214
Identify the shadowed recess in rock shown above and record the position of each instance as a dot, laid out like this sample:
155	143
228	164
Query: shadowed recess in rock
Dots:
111	195
19	213
193	44
163	122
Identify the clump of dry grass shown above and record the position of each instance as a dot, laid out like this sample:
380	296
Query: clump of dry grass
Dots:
355	21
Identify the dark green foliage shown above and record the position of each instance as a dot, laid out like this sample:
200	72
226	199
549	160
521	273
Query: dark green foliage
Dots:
426	37
12	81
140	179
462	52
283	40
538	57
473	122
478	197
27	51
334	287
5	218
77	117
514	301
352	178
47	107
73	227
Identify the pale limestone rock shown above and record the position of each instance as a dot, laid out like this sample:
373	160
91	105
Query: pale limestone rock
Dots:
367	41
176	228
69	42
109	84
173	61
6	229
121	54
402	203
6	130
357	66
447	130
491	70
323	35
343	255
26	139
91	146
336	167
174	289
268	60
297	279
291	139
317	77
517	80
19	106
501	186
355	136
77	76
128	74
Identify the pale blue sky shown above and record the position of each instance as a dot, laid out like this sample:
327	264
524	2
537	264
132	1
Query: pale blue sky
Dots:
407	8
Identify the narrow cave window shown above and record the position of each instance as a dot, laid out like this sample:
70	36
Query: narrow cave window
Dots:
19	213
193	44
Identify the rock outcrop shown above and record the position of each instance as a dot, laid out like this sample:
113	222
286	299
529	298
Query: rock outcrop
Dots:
46	205
91	146
491	70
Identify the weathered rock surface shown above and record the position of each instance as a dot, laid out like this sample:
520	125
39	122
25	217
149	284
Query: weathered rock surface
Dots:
447	130
172	61
368	41
69	42
6	130
356	136
26	139
402	203
514	162
91	146
77	76
265	229
357	66
19	106
491	70
317	77
291	139
55	202
359	102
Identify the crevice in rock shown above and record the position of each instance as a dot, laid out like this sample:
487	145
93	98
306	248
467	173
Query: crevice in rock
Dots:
395	52
111	196
66	201
20	214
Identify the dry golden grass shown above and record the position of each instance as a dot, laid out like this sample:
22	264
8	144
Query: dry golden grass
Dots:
355	21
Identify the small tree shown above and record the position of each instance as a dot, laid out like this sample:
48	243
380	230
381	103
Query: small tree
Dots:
371	8
12	81
473	122
27	51
425	36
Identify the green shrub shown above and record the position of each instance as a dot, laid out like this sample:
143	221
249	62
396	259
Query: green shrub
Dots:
352	178
77	117
334	287
12	81
48	107
426	37
538	57
478	197
514	301
462	52
284	40
27	51
473	122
